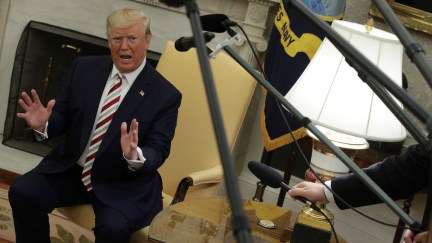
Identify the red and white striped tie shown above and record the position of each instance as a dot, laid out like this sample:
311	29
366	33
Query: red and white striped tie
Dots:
107	113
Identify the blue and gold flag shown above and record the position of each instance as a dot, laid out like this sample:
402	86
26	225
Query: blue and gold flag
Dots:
292	44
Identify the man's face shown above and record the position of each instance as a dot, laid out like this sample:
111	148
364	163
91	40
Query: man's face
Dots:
128	47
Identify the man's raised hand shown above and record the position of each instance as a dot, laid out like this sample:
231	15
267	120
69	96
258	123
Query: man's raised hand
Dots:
35	114
129	140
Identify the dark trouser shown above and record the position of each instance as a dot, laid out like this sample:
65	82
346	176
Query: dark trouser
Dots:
32	196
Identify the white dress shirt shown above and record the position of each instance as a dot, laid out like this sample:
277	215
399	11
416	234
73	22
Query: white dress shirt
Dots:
327	192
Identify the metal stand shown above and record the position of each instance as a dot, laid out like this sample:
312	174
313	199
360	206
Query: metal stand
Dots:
240	223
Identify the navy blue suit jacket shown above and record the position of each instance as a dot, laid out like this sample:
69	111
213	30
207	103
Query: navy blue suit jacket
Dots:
398	176
135	193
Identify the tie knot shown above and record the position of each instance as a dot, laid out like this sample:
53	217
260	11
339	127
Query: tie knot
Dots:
120	76
117	84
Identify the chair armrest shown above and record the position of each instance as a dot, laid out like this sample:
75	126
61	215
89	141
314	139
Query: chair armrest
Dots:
212	175
209	176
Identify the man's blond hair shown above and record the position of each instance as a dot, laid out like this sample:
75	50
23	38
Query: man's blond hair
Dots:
125	17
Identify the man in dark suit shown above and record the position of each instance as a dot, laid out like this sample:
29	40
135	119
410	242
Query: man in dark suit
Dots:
398	176
121	156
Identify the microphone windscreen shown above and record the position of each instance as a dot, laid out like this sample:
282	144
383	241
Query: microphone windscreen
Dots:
173	3
266	174
183	44
214	22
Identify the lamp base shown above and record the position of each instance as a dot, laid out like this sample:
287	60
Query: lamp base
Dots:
310	229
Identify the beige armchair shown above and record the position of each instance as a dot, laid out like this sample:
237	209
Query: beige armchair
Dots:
193	168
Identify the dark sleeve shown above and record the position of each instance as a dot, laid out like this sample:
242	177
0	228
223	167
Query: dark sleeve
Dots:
398	176
156	145
159	120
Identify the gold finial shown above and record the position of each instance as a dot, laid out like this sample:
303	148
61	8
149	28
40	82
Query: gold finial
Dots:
369	25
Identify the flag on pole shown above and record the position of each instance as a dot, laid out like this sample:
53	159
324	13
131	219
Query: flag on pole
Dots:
292	44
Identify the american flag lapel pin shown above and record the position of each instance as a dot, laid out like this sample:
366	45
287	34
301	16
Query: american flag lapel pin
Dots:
142	93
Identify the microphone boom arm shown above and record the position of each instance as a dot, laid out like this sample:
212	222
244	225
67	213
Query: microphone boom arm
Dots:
413	50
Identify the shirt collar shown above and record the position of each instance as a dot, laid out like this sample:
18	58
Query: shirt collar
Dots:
130	77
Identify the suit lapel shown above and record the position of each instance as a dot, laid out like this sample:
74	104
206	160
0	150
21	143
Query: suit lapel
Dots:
134	97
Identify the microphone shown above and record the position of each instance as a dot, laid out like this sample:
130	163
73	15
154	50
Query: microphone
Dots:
273	179
217	23
173	3
185	43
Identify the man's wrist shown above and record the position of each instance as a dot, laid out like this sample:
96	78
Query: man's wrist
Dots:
41	135
138	163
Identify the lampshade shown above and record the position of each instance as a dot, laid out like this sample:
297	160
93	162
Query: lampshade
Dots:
330	93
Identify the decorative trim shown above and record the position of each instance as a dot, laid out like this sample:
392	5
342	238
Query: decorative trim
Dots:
265	2
262	45
411	16
257	14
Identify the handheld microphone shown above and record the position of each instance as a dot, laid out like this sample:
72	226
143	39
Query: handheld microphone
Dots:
273	179
217	23
302	231
185	43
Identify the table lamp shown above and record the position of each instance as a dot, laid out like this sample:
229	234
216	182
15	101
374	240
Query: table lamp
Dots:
332	95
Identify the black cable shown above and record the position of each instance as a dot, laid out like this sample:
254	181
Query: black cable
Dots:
332	226
253	51
308	164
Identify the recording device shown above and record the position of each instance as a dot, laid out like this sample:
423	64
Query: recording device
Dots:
273	179
217	23
185	43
